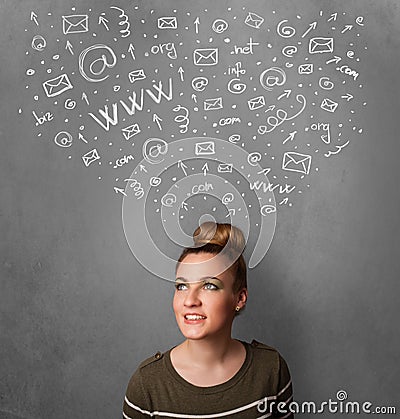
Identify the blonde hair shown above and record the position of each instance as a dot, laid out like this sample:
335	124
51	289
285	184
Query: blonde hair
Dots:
212	238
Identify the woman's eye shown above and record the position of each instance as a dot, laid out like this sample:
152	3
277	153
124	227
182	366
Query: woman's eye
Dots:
210	286
180	287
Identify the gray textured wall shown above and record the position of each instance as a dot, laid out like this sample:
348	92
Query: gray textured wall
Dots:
78	312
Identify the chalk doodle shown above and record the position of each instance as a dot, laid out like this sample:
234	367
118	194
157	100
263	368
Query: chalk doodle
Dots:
131	131
254	20
325	83
220	26
57	85
167	22
103	60
74	24
281	116
90	157
136	75
205	56
63	139
69	104
320	45
199	83
296	162
285	31
38	43
213	104
272	77
256	102
263	94
153	153
236	87
182	119
307	68
329	105
123	22
247	49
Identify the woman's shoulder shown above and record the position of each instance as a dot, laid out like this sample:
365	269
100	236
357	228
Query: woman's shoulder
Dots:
267	353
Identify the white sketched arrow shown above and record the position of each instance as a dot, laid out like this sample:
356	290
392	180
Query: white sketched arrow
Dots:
348	97
312	26
194	97
34	18
182	166
142	168
333	17
264	171
205	169
69	47
270	108
231	212
291	137
335	60
131	50
119	190
181	71
184	205
285	93
157	120
196	24
85	98
104	21
81	137
347	28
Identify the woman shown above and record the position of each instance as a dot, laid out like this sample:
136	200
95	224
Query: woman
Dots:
210	374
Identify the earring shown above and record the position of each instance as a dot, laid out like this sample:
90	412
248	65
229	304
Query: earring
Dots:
237	308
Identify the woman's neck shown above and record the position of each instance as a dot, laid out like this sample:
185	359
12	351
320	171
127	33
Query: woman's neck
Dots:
210	352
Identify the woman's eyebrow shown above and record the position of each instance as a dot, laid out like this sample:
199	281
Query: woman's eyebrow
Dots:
204	278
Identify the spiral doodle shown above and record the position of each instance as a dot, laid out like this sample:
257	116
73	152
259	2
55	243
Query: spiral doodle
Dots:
63	139
235	87
285	31
124	21
38	43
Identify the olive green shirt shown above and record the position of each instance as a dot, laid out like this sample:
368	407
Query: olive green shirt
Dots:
157	390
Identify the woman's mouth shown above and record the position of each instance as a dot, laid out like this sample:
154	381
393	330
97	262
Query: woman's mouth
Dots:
194	317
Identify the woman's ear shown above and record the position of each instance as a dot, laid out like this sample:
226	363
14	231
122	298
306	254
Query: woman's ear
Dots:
242	298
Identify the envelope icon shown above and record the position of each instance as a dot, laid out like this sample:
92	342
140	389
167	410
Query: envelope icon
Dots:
329	105
204	149
75	24
225	168
136	75
254	20
90	157
296	162
205	56
56	86
320	45
307	68
256	103
213	104
131	131
167	22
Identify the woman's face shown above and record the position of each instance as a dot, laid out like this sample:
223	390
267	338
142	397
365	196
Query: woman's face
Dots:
204	302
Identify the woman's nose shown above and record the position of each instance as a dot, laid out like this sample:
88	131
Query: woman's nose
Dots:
192	298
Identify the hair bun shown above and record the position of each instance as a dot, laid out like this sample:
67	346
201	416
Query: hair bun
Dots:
220	235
